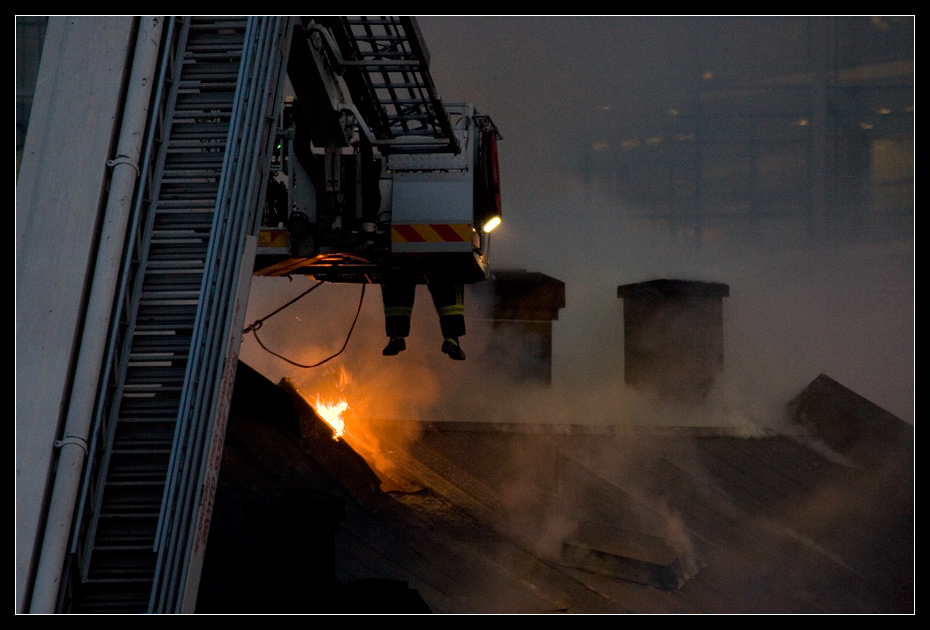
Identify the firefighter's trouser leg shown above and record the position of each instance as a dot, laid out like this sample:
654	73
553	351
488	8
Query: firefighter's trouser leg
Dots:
398	299
449	300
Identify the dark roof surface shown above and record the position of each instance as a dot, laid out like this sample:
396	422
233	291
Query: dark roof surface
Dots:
550	519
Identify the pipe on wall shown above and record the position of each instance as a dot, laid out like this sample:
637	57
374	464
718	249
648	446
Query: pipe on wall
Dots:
73	445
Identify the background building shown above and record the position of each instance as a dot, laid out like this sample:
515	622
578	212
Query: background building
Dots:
785	126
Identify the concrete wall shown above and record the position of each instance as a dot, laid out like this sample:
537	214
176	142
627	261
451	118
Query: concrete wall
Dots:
59	196
30	36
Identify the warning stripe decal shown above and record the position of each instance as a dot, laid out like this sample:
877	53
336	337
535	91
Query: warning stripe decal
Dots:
446	233
405	234
431	233
274	238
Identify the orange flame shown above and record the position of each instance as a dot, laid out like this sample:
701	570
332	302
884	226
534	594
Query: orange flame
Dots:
360	436
332	414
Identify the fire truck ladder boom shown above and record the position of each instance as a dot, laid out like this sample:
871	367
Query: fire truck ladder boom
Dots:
160	422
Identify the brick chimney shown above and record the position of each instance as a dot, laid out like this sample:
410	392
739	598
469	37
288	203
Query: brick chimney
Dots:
673	337
521	308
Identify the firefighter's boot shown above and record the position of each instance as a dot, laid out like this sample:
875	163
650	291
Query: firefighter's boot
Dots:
395	345
450	346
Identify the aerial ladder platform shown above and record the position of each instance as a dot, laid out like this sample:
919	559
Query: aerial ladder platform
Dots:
382	177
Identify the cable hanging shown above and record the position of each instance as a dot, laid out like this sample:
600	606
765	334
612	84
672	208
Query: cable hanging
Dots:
258	324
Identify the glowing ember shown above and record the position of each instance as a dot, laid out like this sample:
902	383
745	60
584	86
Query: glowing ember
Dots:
332	414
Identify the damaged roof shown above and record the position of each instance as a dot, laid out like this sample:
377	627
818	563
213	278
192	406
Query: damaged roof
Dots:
479	518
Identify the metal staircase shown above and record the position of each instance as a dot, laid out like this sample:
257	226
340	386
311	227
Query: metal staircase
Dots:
153	456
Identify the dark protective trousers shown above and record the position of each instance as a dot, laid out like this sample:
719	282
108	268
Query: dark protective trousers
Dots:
448	298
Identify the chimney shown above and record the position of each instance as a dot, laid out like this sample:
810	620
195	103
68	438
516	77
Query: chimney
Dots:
673	337
522	306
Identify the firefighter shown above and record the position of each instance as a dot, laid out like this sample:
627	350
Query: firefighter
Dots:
275	202
448	298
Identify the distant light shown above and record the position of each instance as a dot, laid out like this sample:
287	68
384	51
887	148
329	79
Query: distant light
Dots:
673	112
801	122
600	146
654	140
492	223
882	111
708	75
631	143
866	125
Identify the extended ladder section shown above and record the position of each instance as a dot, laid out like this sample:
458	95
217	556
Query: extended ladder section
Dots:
154	454
385	65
